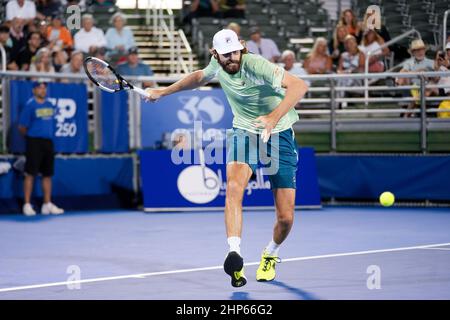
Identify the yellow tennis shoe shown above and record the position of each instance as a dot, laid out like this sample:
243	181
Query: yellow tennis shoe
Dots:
266	269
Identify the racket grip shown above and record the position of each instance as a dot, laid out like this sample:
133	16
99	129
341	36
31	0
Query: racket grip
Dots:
142	92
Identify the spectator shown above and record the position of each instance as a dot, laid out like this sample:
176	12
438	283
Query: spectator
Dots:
24	10
202	8
295	68
236	28
6	42
58	34
100	53
17	36
89	37
26	54
372	42
47	8
133	67
417	63
42	62
60	58
36	123
351	61
232	8
119	38
441	63
42	29
75	66
336	46
102	3
262	46
348	19
318	60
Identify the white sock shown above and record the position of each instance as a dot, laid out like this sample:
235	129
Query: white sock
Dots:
272	248
234	243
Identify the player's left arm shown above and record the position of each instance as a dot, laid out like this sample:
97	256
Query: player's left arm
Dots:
295	90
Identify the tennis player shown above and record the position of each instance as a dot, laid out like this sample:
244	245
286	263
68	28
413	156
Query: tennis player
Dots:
262	97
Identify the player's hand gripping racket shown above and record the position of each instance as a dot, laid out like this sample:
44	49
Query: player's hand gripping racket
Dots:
106	78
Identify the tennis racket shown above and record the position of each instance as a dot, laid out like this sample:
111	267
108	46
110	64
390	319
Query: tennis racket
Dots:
106	78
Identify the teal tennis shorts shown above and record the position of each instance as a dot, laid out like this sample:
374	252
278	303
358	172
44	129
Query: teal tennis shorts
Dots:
278	157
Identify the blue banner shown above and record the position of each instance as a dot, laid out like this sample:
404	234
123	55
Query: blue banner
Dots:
180	111
71	129
187	186
366	177
114	122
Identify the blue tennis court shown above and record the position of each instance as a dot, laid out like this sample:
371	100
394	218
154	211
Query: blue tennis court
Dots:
331	253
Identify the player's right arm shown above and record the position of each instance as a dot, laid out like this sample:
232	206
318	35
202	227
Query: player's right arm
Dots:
191	81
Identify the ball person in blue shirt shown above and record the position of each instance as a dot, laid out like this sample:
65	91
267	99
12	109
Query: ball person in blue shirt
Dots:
36	123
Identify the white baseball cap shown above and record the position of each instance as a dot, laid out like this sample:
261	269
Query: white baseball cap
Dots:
226	41
447	47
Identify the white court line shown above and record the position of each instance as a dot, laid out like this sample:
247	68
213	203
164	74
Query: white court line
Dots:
152	274
444	249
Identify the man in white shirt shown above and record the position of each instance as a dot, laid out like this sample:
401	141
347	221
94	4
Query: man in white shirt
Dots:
23	9
89	38
262	46
294	68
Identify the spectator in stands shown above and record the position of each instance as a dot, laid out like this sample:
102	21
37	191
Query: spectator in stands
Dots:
372	41
119	38
36	123
102	3
89	37
75	66
441	63
318	60
6	42
42	62
133	67
336	46
417	63
100	53
295	68
24	10
60	58
202	8
348	19
47	9
351	61
262	46
236	28
232	8
17	36
25	55
58	34
42	26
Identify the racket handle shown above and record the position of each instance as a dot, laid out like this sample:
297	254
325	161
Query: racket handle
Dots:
142	92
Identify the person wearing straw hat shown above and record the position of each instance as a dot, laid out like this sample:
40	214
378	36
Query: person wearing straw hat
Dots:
417	63
262	97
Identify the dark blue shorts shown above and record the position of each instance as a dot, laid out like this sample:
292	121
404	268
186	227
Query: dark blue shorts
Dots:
278	157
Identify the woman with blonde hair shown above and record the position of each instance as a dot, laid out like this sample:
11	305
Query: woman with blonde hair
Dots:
337	46
372	42
351	61
318	60
42	62
349	20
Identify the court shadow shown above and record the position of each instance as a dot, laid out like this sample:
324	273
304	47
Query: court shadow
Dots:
240	295
301	294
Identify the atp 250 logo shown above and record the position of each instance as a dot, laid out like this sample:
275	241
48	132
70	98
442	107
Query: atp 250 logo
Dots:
65	117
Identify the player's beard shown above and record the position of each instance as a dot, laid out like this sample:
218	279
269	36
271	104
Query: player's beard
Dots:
231	66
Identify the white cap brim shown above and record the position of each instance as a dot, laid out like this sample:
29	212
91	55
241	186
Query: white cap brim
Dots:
231	48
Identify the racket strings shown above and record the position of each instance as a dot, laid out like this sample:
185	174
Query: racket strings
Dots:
103	75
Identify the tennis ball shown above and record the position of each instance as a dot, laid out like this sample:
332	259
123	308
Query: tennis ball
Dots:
387	199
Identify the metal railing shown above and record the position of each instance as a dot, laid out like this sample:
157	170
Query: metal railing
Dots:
177	43
444	29
327	117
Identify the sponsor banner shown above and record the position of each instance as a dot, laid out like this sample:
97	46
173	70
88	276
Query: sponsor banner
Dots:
170	186
180	111
70	100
